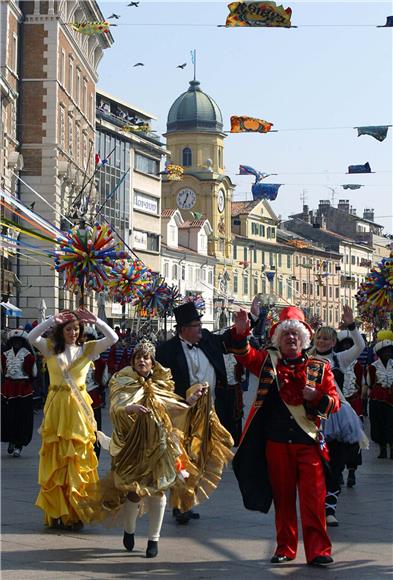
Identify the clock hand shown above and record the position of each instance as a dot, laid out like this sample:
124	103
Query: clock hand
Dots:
188	193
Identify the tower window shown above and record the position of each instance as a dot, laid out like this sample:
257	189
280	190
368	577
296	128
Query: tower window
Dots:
187	157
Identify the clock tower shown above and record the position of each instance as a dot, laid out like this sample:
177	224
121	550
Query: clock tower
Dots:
195	139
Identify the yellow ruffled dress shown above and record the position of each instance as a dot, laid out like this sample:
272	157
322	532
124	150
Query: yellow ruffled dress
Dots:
68	465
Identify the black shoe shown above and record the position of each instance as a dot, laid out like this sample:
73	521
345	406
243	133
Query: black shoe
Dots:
383	452
183	518
175	512
351	480
194	515
152	549
128	541
277	559
321	561
11	448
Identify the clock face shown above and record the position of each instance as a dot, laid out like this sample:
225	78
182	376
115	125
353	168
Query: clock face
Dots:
221	201
186	198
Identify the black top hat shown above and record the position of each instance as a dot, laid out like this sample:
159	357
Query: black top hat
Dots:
186	313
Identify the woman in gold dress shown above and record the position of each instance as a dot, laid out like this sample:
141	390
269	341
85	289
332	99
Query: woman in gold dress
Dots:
160	442
68	465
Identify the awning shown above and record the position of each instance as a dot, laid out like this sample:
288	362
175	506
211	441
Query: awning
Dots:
11	309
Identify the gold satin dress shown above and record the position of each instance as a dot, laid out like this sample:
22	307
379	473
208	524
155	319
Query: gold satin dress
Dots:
68	465
174	447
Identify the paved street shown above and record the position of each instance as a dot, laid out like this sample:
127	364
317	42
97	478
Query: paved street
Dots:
227	542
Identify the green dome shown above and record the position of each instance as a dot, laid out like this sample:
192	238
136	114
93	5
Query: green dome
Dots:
194	110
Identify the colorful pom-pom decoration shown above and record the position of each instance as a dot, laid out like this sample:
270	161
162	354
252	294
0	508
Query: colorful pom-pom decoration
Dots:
174	172
157	298
88	258
133	276
197	300
375	294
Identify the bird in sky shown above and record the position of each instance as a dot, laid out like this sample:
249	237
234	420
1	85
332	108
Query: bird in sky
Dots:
136	4
182	65
139	64
117	16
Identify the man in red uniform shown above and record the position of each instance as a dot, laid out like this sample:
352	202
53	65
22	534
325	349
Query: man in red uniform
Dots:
282	449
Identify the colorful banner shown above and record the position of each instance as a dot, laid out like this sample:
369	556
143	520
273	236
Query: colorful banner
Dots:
245	124
90	28
258	14
265	190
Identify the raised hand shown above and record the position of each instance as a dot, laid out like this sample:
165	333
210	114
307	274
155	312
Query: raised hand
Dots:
64	317
347	315
242	324
85	316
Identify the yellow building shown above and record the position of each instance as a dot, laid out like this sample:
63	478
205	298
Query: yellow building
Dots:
195	139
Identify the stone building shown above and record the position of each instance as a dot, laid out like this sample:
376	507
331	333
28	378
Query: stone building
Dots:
58	76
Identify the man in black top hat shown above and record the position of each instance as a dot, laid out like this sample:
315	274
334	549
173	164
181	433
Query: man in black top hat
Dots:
195	355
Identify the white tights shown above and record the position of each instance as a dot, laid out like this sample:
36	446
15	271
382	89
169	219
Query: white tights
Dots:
156	507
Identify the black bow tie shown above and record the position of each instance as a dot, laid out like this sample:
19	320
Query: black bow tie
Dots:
191	346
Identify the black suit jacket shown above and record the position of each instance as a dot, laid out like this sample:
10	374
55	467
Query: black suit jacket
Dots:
171	355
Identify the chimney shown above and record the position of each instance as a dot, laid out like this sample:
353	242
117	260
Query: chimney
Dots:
368	214
353	210
305	214
343	205
323	205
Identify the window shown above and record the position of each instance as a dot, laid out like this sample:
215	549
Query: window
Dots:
220	157
92	109
273	230
235	284
279	258
172	233
337	292
183	272
263	286
296	260
203	274
304	288
174	272
77	145
153	242
289	261
70	135
289	289
255	255
78	86
14	56
330	292
271	261
280	288
234	252
84	96
62	68
255	289
146	164
268	233
317	289
62	128
261	230
187	157
245	254
166	269
263	258
353	260
71	77
210	277
84	152
245	284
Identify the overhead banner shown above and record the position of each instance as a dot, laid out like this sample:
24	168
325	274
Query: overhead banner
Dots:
258	14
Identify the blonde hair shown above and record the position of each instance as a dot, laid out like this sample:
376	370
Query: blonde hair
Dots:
327	331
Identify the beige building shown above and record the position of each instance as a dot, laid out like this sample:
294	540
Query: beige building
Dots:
58	76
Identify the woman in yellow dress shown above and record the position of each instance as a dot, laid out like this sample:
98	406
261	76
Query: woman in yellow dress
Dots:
68	465
160	442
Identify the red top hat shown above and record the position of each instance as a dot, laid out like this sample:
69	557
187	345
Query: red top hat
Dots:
291	313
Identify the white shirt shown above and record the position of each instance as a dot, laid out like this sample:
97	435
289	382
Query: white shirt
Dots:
200	369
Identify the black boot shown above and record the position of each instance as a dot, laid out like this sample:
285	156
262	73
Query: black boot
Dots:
351	480
383	452
391	451
128	541
152	549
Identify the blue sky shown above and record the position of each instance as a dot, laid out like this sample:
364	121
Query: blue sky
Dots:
316	76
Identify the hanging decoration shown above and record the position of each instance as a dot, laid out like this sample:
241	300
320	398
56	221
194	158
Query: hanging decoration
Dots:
197	300
133	276
88	258
174	172
389	22
270	276
379	132
375	294
258	14
133	128
157	298
244	124
260	190
352	186
91	28
359	168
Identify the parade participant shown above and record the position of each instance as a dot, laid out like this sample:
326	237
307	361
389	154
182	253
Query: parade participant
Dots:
337	432
196	356
380	382
148	456
96	383
18	371
281	449
352	387
68	465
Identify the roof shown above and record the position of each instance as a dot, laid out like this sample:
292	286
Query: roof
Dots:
194	110
240	207
193	223
166	213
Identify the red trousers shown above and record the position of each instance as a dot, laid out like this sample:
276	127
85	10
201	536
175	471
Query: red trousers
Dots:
295	466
